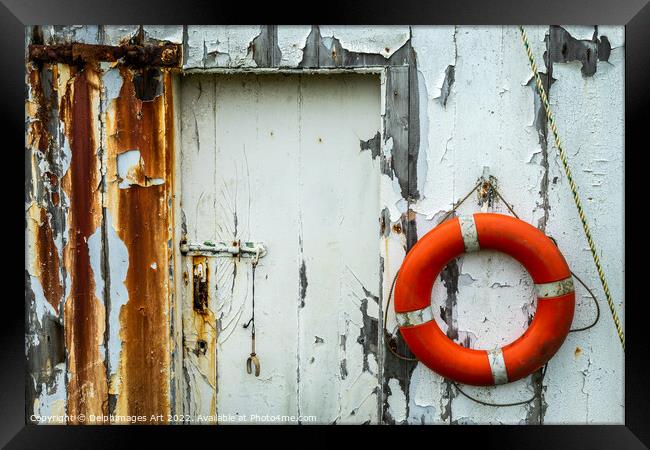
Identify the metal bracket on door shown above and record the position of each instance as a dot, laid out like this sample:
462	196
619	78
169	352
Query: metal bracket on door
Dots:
240	249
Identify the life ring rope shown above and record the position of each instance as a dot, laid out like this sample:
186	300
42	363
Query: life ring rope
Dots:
417	317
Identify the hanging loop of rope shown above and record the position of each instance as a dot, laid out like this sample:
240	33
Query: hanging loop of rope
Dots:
574	190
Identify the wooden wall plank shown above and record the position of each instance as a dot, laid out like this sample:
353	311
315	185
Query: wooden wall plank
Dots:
588	371
198	203
256	178
339	313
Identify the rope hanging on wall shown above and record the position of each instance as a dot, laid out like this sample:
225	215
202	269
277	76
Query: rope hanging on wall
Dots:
574	190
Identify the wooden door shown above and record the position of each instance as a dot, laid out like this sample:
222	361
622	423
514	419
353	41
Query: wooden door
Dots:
277	159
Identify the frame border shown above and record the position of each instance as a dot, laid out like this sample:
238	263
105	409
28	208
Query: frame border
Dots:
635	14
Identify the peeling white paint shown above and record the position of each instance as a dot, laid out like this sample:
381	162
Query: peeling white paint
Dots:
49	407
119	295
170	33
615	35
129	165
424	395
220	46
86	34
396	401
291	41
95	253
383	40
391	196
112	83
589	388
435	50
117	34
41	305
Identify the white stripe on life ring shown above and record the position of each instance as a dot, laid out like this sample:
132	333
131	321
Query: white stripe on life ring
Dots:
469	233
412	318
498	366
554	289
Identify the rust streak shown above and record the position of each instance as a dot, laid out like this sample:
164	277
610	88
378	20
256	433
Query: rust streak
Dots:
84	313
200	284
141	219
38	136
47	262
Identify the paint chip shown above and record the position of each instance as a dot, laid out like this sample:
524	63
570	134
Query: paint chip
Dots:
130	171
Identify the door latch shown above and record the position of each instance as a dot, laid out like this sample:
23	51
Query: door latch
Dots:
254	250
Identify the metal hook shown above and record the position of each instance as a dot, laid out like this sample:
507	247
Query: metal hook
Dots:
253	360
256	257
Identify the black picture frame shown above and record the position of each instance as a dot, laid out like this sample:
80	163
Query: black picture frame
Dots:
634	14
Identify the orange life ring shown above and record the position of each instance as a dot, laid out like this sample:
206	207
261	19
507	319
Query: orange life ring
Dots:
534	250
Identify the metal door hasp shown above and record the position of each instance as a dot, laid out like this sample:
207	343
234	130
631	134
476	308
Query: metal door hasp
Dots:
221	248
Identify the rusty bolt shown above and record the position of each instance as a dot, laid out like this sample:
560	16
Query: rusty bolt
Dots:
397	228
167	55
485	190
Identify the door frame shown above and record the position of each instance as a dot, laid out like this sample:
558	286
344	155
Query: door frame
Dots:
397	148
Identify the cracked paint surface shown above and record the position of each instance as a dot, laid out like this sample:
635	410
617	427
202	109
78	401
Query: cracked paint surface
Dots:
452	101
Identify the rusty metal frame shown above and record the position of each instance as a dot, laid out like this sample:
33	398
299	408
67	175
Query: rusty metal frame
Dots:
134	55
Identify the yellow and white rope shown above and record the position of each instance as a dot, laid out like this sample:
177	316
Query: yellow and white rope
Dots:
572	185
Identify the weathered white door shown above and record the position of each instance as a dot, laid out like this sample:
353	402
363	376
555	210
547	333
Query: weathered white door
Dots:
277	159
